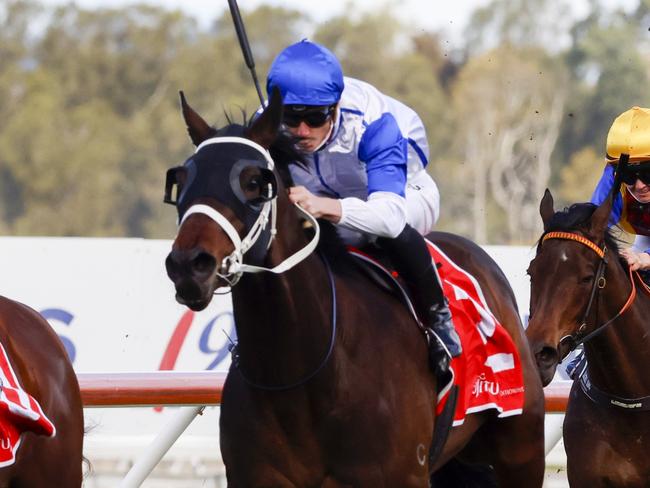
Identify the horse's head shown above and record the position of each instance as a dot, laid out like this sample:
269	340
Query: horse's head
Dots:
567	270
225	196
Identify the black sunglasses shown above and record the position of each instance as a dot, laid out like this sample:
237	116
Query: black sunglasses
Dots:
313	118
631	176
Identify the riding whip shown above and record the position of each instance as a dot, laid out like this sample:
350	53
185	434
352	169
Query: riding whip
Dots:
621	169
245	47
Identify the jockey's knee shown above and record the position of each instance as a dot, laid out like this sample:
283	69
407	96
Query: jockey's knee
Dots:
406	239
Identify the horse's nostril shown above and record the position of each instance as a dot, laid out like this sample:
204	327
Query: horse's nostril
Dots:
203	264
547	356
172	267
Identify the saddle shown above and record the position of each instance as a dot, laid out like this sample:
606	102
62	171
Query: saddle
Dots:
488	373
375	263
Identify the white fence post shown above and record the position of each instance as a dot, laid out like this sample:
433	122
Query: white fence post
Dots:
552	430
159	447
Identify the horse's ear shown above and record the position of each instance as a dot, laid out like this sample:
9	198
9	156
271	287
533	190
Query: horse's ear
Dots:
197	128
546	208
264	129
600	217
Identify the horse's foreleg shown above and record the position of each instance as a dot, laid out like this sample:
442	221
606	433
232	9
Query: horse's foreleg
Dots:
519	457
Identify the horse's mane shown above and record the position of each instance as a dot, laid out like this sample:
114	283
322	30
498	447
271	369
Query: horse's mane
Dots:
578	217
285	152
332	246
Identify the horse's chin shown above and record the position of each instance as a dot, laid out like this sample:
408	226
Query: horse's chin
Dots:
195	305
196	295
546	374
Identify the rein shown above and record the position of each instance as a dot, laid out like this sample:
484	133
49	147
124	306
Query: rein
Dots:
574	340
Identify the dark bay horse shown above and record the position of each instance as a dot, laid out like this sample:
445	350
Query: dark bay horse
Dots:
581	292
44	370
330	384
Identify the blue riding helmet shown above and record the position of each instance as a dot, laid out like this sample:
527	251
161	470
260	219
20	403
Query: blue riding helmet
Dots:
306	74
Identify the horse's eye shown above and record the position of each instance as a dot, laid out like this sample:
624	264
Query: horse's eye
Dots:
587	279
253	184
258	185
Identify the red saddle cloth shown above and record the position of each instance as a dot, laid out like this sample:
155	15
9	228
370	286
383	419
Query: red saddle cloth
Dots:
19	413
488	372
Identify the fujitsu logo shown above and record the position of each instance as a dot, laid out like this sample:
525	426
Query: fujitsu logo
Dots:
481	385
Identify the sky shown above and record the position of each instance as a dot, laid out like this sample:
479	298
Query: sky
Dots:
450	16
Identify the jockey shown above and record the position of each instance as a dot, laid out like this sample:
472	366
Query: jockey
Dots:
630	134
366	154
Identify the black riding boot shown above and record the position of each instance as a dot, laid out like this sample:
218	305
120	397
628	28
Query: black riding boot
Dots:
410	255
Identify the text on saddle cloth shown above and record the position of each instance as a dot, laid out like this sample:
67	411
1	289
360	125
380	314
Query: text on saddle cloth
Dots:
488	373
19	413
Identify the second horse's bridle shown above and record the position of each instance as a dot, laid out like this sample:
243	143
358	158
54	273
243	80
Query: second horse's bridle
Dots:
580	337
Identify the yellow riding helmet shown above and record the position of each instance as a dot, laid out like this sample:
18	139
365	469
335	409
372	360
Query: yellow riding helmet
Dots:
630	134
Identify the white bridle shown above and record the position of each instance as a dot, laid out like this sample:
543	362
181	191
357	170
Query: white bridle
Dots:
232	265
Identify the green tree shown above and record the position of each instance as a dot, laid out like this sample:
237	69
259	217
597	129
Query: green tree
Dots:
508	104
536	23
579	178
89	120
15	18
609	70
92	120
366	46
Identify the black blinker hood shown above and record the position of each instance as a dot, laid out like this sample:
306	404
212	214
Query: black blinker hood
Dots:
213	172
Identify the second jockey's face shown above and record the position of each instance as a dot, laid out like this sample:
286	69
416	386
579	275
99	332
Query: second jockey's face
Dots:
637	181
640	175
640	191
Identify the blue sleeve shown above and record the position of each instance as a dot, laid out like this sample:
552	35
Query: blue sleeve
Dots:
384	150
603	188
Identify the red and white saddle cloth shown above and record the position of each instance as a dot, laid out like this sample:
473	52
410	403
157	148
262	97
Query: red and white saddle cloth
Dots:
488	372
19	412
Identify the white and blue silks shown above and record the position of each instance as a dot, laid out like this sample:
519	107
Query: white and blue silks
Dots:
374	163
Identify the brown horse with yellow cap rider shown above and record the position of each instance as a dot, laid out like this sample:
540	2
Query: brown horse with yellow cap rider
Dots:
630	134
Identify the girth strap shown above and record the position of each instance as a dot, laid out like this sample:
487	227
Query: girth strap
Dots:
442	427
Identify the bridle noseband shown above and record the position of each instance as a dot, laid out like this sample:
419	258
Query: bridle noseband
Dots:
580	337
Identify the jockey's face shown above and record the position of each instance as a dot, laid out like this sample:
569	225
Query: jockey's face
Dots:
310	124
640	188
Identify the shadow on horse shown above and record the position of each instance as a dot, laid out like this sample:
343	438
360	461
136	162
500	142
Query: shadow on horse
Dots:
330	384
44	371
583	293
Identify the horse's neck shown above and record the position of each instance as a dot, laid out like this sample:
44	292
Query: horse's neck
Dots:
284	322
618	357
